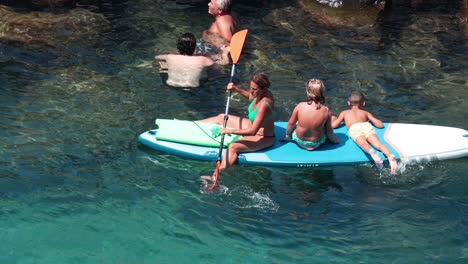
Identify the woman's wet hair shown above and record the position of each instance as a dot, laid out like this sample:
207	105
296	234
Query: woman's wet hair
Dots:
315	90
261	80
186	44
224	5
356	98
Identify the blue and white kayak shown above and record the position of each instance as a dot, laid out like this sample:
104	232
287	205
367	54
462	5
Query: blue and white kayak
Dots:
408	142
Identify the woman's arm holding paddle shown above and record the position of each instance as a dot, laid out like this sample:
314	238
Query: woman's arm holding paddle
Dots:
237	89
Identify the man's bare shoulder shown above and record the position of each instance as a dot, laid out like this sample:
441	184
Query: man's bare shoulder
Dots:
226	19
205	60
226	26
172	56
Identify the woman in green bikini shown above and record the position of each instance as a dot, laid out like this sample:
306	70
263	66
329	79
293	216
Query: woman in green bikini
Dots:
310	122
258	130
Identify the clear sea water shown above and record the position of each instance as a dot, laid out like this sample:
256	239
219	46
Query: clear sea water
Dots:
76	187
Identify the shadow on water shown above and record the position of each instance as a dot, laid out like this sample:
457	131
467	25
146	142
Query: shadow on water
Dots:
309	186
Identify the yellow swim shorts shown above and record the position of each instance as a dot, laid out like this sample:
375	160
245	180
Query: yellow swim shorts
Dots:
364	129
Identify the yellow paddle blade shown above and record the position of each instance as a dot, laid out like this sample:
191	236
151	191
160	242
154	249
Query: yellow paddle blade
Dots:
237	43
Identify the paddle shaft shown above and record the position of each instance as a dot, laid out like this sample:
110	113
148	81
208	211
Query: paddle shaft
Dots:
237	43
226	113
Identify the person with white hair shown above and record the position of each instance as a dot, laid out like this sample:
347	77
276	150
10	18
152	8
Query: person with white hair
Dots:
221	30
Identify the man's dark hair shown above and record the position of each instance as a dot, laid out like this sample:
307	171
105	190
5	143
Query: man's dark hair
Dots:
186	44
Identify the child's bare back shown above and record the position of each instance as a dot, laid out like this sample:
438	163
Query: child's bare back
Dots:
357	115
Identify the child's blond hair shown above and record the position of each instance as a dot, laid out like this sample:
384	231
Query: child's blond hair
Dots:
315	90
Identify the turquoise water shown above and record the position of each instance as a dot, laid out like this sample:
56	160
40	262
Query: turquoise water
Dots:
76	187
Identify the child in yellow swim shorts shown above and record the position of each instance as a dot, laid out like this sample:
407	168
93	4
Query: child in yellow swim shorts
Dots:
359	123
360	129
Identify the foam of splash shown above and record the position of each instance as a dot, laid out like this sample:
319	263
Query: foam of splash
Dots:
251	199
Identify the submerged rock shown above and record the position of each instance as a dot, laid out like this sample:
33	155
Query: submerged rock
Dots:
359	15
191	2
348	4
53	3
39	4
40	28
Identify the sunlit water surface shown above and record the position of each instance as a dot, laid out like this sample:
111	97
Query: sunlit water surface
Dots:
76	187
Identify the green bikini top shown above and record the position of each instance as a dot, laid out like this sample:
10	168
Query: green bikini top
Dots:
253	113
